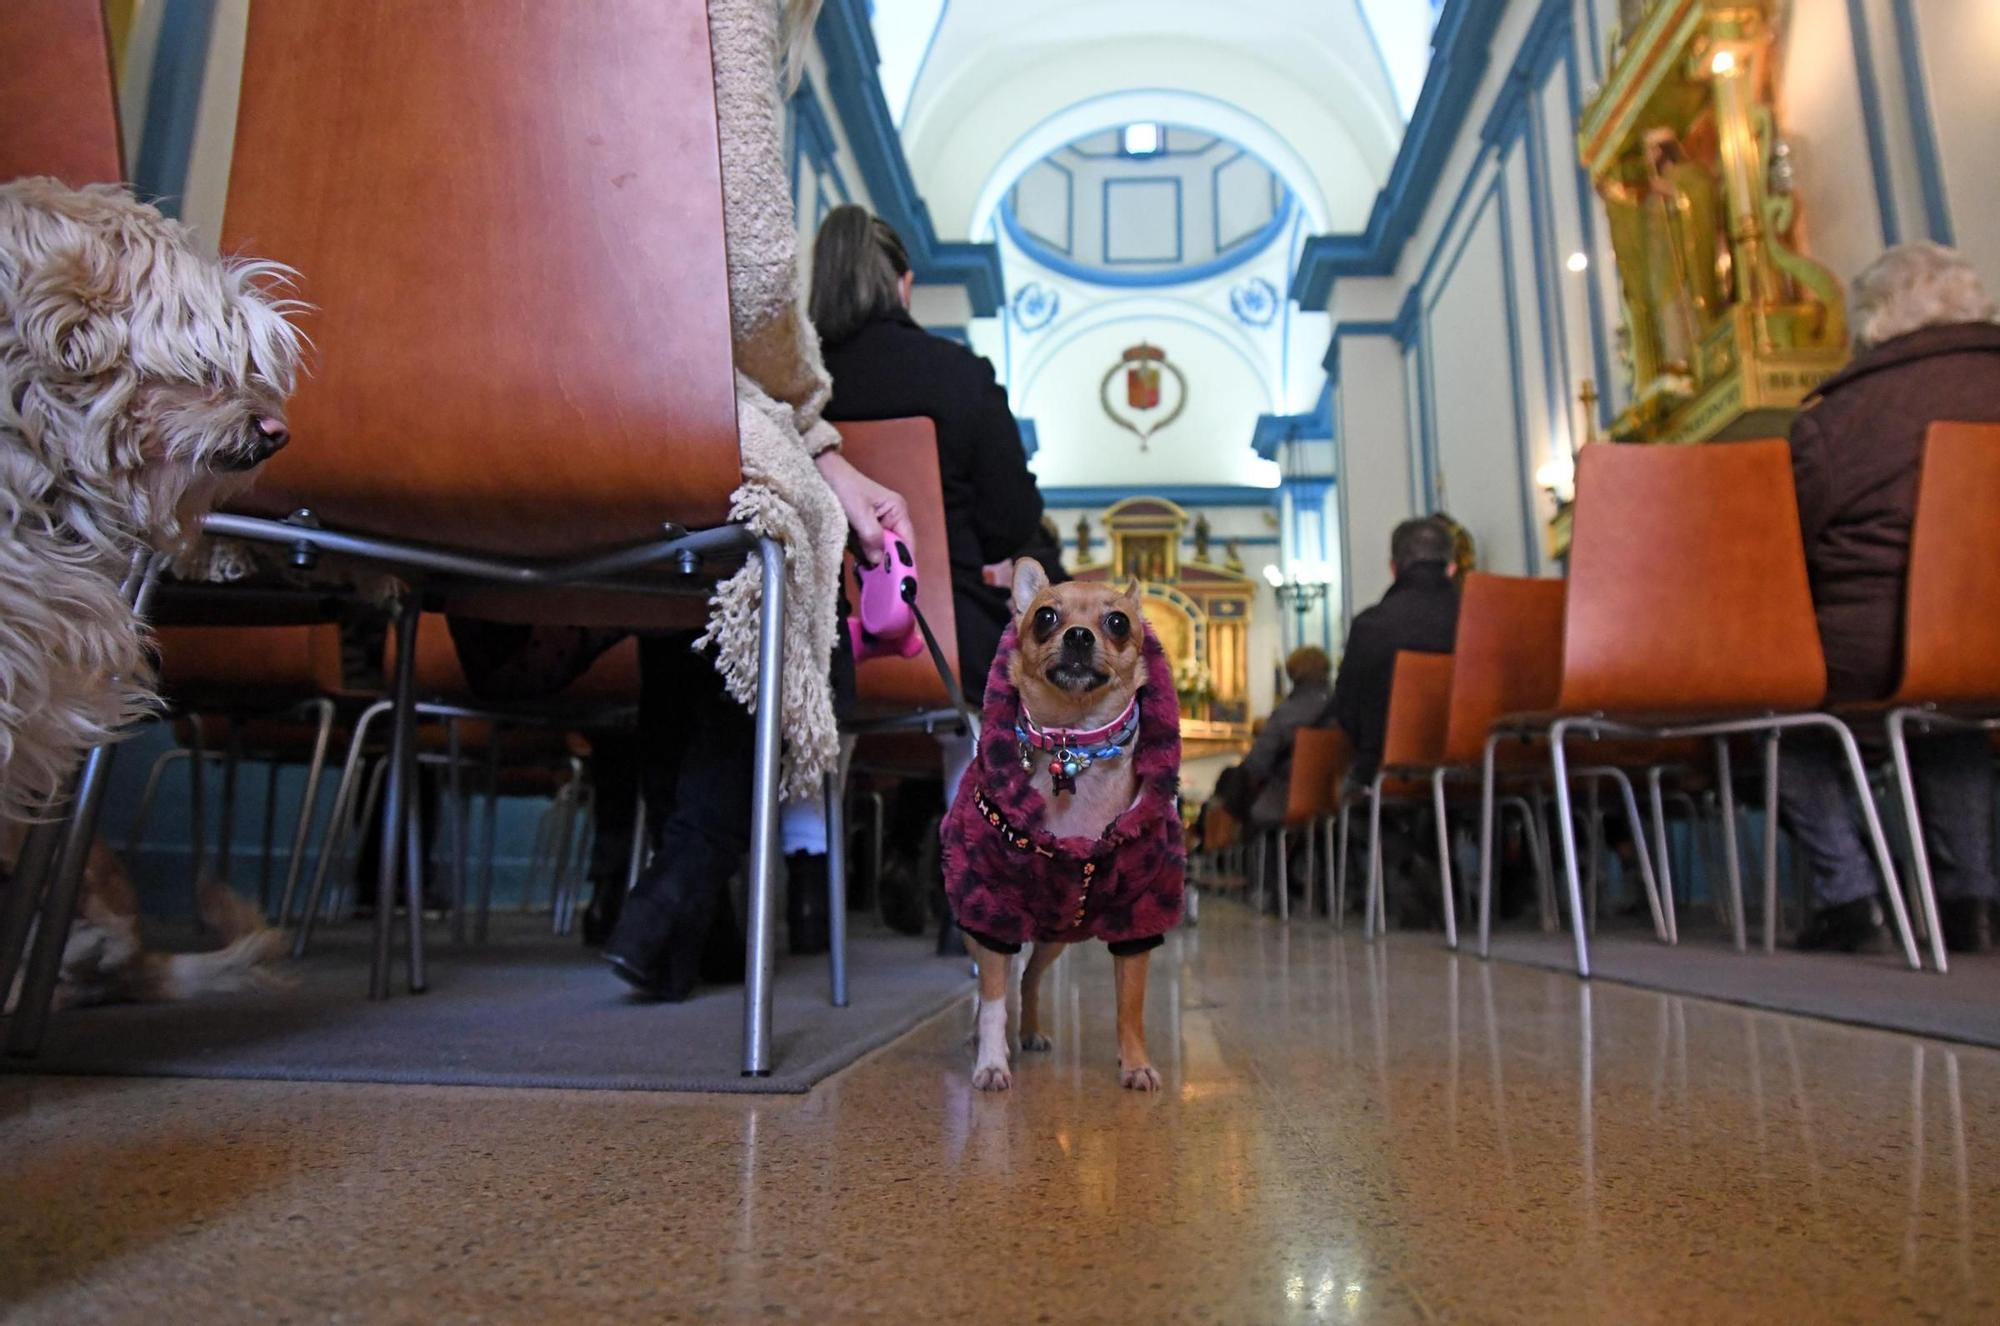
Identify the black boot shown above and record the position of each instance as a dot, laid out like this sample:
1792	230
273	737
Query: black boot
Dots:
663	929
607	899
1967	926
722	961
1850	927
805	902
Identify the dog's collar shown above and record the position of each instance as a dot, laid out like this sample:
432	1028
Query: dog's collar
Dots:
1073	750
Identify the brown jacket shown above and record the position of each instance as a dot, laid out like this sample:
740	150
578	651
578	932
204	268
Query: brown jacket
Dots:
1855	453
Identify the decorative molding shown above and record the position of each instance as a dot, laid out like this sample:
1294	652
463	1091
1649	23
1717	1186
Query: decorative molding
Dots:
1068	246
1215	201
1182	494
1031	438
1180	220
848	43
1035	306
173	105
1461	48
1166	276
1272	431
952	332
1254	301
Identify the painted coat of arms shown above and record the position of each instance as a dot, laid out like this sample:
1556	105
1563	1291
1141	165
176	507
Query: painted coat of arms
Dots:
1154	396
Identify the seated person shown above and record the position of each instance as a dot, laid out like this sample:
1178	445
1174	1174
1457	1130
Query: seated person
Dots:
1926	348
1266	772
1419	612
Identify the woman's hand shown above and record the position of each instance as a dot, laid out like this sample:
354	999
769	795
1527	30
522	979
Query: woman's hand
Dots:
870	507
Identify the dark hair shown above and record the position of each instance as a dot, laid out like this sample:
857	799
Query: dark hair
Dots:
858	259
1420	541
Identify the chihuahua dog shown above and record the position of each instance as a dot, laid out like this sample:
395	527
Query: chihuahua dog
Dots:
1067	827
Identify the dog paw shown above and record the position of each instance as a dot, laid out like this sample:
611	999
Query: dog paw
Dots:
1140	1077
1035	1042
992	1077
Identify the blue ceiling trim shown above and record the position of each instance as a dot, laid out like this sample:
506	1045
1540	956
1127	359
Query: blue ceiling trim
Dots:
1330	361
1546	41
1871	121
1201	271
1272	431
1031	439
848	43
173	104
952	332
1461	48
1409	316
1183	494
1923	133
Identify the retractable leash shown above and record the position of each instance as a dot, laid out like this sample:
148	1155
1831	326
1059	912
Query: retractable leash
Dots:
888	612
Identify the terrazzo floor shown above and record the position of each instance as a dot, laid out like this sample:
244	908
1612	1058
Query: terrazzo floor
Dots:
1350	1132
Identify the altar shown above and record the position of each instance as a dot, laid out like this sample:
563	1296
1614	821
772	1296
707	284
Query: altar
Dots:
1200	609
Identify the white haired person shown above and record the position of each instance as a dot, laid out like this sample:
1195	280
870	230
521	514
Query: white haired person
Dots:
1926	348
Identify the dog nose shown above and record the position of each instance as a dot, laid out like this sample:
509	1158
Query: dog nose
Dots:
274	433
1079	638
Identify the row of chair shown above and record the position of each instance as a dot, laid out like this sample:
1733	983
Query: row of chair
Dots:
1686	625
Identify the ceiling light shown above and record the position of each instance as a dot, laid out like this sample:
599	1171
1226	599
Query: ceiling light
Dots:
1577	261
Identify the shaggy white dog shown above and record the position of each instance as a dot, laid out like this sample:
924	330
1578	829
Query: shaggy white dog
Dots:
141	382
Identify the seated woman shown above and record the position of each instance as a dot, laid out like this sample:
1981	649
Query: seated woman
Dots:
885	366
1926	348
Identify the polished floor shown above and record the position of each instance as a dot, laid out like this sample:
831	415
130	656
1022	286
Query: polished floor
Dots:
1350	1132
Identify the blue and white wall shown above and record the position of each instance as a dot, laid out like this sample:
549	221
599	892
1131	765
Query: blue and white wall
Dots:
1463	329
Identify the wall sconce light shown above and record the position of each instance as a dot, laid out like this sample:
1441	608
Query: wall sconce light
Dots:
1578	261
1723	63
1557	477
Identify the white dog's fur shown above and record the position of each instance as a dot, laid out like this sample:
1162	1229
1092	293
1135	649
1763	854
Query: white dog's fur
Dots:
141	381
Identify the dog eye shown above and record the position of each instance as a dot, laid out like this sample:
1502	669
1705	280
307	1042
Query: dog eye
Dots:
1045	622
1117	625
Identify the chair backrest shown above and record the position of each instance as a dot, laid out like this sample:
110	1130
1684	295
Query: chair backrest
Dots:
510	219
1320	756
57	99
902	453
1419	710
1687	585
1508	656
249	665
1951	634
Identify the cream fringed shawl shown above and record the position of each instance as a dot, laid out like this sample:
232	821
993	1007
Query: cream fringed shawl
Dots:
781	387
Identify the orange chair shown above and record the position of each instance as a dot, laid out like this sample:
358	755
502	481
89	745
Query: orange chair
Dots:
1419	705
1689	616
1951	630
1320	759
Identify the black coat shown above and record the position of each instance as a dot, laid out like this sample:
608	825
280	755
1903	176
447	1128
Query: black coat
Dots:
1856	450
892	369
1419	613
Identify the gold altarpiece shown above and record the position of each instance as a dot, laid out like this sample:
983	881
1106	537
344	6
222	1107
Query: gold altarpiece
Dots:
1727	326
1199	609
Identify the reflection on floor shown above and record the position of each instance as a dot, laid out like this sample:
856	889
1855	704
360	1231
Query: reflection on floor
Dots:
1351	1132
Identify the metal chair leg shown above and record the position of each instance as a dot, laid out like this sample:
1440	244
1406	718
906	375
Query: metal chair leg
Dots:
1372	923
1594	831
1920	857
1648	878
197	815
1579	923
1732	861
1662	853
31	873
44	958
764	849
395	813
1341	867
489	831
333	843
308	807
1487	776
1284	876
232	763
836	877
1858	774
1770	843
1444	860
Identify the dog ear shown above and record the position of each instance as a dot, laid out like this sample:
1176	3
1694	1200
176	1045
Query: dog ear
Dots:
68	313
1131	594
1029	580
